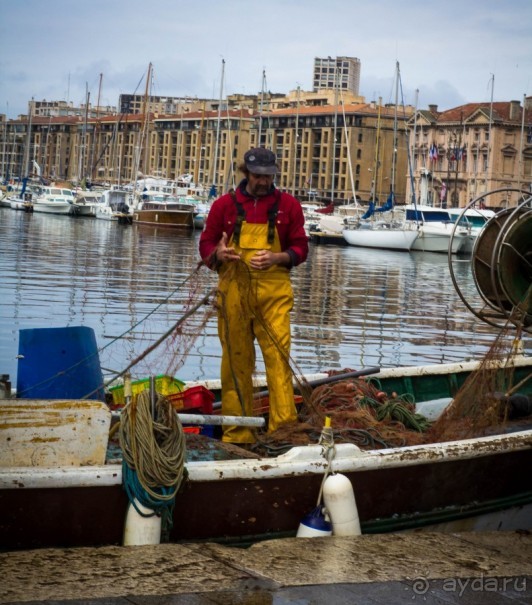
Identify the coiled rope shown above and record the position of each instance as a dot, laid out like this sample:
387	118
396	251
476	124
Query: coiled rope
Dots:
153	450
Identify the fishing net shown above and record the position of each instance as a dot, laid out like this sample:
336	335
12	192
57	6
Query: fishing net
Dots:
482	405
150	347
360	412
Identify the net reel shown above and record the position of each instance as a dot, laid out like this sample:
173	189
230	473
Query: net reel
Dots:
501	263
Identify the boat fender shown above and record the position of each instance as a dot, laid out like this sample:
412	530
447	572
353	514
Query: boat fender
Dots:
141	530
340	504
314	525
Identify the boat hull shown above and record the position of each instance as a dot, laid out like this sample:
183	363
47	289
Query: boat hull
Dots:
433	240
165	218
52	208
232	496
384	239
395	490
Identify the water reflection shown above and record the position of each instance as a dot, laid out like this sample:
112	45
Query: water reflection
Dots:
354	307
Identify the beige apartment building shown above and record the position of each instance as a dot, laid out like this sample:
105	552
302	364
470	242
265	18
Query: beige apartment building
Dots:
328	151
325	150
469	150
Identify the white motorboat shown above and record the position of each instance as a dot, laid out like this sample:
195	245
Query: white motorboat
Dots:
23	203
474	219
113	205
53	200
85	202
435	228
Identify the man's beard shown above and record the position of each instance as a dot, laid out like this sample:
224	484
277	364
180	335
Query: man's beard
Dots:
260	190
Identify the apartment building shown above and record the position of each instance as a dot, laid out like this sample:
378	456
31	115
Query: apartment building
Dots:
327	151
337	72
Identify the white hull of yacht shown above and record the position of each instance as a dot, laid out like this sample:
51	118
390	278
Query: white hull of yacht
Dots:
383	238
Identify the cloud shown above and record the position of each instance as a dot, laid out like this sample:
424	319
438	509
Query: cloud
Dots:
55	48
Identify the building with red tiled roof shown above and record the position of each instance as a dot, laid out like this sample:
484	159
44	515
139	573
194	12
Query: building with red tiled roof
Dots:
469	150
323	149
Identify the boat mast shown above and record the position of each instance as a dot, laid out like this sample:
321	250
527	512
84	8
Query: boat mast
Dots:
348	150
413	145
26	167
145	129
520	169
83	141
296	144
335	128
394	150
95	130
4	139
215	163
259	144
377	144
488	155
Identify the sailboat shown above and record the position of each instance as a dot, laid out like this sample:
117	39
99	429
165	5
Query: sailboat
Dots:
386	233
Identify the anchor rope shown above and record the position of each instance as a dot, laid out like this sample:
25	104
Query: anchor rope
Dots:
328	452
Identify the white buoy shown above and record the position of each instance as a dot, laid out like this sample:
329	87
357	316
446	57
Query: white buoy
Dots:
314	525
339	500
139	530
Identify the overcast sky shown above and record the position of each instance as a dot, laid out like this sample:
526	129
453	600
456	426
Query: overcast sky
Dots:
449	50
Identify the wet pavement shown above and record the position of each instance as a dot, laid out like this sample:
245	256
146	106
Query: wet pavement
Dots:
472	568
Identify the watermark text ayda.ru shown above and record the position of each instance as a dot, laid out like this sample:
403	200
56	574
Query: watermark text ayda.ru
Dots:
421	585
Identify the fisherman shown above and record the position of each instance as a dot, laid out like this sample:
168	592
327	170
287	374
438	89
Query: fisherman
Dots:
253	237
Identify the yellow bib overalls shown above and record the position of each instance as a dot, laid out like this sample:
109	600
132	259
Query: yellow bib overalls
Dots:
254	304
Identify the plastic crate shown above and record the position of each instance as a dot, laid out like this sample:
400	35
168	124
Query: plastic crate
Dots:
198	399
164	385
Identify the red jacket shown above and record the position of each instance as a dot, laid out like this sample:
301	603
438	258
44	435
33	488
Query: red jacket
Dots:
289	223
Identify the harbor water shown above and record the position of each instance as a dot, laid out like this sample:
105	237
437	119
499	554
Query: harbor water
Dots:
353	308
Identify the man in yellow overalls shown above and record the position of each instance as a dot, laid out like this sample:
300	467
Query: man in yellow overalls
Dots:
253	236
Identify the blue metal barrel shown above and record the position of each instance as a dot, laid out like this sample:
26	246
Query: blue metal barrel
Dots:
59	363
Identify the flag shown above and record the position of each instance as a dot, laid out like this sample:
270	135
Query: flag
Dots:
443	192
433	152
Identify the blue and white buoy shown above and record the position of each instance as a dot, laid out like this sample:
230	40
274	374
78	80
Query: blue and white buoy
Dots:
314	525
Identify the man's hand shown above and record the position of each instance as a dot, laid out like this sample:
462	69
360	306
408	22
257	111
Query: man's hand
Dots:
264	259
223	253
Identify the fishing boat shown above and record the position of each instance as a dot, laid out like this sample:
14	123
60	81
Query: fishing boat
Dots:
72	496
65	482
